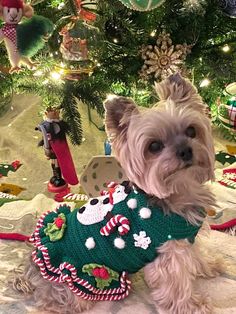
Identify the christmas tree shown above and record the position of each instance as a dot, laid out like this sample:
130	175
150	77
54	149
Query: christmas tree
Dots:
120	46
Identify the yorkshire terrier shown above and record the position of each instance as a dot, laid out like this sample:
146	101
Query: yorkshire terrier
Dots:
85	255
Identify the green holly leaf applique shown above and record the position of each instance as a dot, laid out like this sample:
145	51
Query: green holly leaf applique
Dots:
103	275
55	230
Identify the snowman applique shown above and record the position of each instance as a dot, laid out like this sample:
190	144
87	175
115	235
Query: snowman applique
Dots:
100	208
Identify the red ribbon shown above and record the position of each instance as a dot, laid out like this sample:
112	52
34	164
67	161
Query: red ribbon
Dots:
84	14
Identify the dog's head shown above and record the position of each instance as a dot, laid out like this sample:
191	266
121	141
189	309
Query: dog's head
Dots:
162	148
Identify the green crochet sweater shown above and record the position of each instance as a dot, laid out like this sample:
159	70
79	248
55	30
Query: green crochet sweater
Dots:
94	248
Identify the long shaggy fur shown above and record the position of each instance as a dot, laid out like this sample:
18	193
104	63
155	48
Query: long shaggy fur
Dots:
176	184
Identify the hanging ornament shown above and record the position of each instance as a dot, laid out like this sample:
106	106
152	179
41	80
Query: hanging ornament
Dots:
194	6
142	5
228	7
227	112
164	58
78	35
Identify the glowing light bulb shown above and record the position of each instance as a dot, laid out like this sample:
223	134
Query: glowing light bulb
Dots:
115	40
226	48
38	73
153	33
55	75
205	82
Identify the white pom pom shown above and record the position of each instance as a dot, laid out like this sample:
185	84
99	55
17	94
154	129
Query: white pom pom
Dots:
132	203
145	213
119	243
90	243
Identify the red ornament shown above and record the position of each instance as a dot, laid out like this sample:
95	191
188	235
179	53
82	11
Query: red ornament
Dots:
101	272
59	222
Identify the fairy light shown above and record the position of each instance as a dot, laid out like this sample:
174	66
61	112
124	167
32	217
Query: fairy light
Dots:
226	48
115	40
38	73
153	33
205	82
55	75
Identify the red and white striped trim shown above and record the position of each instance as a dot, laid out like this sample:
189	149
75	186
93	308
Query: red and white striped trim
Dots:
119	221
59	276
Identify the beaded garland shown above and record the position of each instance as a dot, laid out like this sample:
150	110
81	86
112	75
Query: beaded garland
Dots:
93	255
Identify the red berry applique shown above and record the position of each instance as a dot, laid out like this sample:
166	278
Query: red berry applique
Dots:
103	275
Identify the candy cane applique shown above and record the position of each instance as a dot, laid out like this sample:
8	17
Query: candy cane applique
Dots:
119	221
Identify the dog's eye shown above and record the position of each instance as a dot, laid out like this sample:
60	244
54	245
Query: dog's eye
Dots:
190	132
156	147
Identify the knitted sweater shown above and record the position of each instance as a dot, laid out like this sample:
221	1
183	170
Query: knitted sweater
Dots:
93	249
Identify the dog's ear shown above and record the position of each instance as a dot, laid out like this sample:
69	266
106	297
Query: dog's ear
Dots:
28	11
118	112
181	92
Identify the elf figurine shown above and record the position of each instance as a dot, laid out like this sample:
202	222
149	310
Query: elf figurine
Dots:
57	150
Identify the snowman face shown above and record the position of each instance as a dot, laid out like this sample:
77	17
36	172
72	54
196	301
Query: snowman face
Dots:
94	211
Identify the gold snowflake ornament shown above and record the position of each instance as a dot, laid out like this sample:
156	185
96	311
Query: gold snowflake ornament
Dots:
164	58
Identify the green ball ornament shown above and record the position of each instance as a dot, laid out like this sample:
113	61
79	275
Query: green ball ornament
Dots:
142	5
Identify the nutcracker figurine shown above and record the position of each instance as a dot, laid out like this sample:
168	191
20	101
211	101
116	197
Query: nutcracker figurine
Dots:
57	150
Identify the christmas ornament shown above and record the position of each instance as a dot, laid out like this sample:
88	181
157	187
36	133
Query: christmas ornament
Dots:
6	93
78	34
164	58
73	49
228	7
26	39
142	5
57	150
194	6
227	112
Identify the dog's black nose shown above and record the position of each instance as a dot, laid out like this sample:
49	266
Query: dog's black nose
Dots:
94	201
185	153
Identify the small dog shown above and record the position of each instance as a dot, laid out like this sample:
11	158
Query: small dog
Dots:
167	153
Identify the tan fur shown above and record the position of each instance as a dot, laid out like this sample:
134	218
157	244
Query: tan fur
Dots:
169	182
